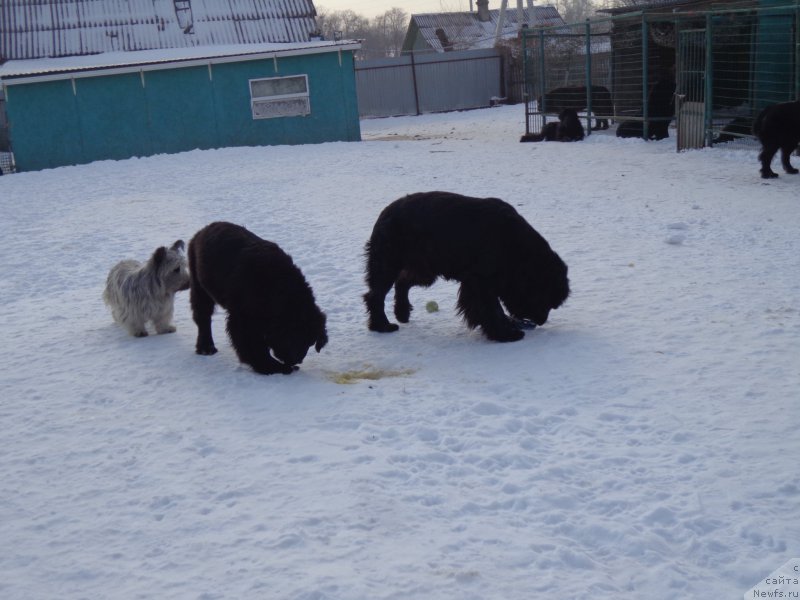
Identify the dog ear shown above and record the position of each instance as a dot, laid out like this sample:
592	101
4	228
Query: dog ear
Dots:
159	255
178	245
321	341
322	336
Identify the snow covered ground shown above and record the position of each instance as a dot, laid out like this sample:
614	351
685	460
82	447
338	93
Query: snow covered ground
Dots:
642	444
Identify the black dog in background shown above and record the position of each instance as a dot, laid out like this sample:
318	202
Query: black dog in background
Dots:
272	315
567	129
777	127
484	243
576	98
660	112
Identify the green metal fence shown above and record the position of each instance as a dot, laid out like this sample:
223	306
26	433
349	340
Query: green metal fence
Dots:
709	71
563	66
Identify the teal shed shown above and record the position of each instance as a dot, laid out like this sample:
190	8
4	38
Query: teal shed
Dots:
79	109
85	80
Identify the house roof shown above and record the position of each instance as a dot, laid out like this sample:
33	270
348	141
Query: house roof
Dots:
53	28
43	69
465	30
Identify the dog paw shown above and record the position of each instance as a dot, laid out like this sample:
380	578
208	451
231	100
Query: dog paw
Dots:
403	314
792	171
769	175
384	327
139	334
272	367
505	335
205	350
167	329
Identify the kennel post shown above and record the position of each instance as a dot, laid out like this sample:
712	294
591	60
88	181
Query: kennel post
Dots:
588	77
526	86
797	51
708	92
645	77
542	81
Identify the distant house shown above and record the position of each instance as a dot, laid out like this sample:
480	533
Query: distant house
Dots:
88	80
443	32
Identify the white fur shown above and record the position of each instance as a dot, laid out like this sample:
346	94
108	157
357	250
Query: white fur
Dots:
141	292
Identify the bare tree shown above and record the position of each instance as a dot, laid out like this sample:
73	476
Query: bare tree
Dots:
341	23
327	23
394	25
383	36
573	11
354	24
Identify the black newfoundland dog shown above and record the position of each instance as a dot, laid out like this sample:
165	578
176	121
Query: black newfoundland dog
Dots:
567	129
777	127
660	112
577	98
272	316
481	242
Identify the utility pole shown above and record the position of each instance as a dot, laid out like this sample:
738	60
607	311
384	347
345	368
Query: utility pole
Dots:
500	21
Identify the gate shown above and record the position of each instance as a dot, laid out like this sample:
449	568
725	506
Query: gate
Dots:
568	66
690	92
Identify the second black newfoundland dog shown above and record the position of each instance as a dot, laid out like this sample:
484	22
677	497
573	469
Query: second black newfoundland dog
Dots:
777	127
484	243
272	316
567	129
660	110
577	98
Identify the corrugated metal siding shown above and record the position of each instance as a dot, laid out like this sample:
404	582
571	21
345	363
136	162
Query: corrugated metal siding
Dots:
429	83
470	81
385	87
52	28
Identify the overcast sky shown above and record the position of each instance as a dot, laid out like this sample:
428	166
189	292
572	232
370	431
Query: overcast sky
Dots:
372	8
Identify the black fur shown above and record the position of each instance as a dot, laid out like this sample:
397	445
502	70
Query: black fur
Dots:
567	129
660	112
777	127
271	309
483	243
576	98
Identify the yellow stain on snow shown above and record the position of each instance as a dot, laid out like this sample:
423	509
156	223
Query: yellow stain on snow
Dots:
367	373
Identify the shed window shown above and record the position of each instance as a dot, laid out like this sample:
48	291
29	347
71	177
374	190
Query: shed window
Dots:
280	97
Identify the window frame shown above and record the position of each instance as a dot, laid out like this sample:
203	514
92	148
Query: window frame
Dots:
278	98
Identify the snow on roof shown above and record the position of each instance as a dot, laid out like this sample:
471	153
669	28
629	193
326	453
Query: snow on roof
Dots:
97	64
51	28
465	30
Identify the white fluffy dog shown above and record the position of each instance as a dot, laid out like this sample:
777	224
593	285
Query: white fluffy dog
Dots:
141	292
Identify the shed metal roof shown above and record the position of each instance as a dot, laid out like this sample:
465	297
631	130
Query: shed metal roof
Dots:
47	69
53	28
